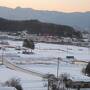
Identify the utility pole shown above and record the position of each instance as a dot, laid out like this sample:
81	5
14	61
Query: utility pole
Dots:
48	83
89	43
58	67
2	56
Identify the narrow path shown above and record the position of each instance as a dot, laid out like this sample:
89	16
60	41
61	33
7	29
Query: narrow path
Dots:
13	66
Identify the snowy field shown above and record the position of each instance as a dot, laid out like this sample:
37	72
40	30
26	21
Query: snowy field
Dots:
73	71
47	52
27	81
44	60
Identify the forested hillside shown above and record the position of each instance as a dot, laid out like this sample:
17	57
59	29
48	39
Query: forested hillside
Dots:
37	27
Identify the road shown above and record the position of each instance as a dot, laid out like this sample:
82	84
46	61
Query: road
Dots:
13	66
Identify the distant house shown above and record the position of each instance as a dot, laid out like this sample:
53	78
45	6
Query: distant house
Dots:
85	35
89	37
79	85
67	40
4	43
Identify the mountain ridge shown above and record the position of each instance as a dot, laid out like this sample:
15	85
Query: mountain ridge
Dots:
79	19
38	27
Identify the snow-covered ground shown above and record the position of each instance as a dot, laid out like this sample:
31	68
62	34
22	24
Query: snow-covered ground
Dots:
48	52
43	50
43	60
27	81
74	71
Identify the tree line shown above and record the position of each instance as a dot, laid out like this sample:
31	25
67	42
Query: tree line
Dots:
37	27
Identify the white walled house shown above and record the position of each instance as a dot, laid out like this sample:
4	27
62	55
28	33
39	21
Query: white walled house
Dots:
85	35
67	40
89	37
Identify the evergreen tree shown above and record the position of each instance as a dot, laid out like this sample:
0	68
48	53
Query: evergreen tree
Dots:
87	70
29	43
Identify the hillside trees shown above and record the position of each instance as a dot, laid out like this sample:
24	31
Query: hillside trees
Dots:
37	27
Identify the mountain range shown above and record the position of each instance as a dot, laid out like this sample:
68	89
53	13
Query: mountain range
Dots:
79	20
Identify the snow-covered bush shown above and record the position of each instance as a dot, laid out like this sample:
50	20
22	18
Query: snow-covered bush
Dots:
14	83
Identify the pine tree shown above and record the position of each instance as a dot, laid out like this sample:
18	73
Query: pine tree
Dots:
29	43
87	70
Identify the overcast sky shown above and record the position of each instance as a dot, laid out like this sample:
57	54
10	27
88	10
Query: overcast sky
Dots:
52	5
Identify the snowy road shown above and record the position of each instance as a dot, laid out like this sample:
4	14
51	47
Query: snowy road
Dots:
17	68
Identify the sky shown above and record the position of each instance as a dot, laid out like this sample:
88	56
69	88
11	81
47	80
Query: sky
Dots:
51	5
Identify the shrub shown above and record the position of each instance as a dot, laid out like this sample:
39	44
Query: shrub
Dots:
14	83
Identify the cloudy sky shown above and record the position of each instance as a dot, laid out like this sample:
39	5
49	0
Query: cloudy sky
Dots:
52	5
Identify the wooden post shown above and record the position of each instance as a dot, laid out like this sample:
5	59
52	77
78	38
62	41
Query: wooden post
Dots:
49	82
2	55
57	67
